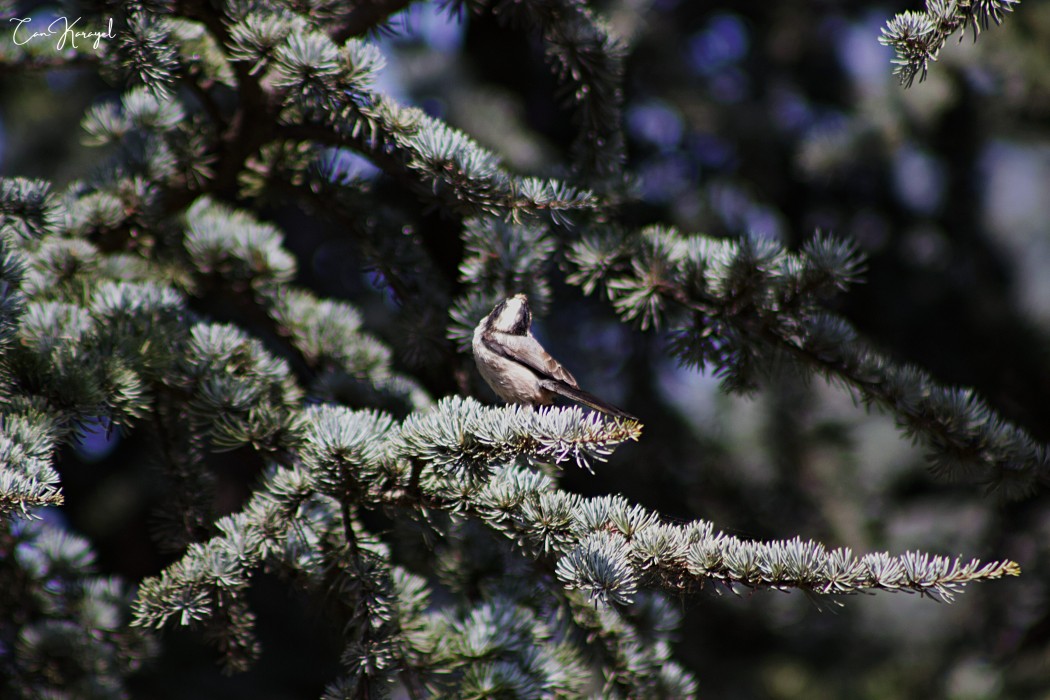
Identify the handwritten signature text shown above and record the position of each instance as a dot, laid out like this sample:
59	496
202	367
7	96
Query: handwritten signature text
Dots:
66	31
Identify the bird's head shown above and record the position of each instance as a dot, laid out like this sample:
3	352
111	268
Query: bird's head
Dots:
512	316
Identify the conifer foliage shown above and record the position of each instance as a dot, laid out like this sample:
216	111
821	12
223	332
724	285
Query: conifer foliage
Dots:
158	299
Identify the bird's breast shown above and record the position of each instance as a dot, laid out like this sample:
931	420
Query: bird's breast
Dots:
512	381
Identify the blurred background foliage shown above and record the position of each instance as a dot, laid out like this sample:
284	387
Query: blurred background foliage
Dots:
774	119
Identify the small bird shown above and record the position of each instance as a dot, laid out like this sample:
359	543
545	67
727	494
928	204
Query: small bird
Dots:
517	367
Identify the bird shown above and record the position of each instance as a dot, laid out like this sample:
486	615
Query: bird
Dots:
518	368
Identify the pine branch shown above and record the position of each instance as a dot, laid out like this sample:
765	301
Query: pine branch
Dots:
607	544
85	347
609	548
918	37
603	546
289	527
144	51
27	207
502	259
740	305
237	257
327	100
639	663
27	479
66	625
348	454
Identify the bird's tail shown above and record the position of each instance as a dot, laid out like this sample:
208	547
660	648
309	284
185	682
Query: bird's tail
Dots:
581	396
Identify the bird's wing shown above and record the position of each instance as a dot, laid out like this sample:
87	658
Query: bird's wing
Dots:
526	350
580	396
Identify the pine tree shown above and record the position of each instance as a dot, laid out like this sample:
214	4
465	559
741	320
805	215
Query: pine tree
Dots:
258	306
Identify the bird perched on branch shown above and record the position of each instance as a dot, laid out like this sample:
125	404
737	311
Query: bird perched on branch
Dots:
518	368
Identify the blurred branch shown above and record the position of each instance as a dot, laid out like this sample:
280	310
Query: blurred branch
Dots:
365	17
